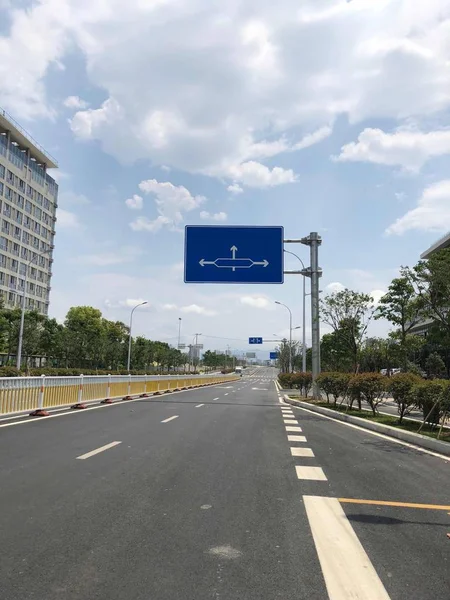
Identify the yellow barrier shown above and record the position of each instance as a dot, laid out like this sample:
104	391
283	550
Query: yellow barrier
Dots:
22	394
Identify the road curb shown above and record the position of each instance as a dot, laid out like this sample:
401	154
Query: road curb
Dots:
406	436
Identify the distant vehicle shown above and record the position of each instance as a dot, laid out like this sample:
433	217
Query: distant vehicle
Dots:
238	370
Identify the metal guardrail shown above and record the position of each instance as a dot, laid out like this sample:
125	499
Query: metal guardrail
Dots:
27	394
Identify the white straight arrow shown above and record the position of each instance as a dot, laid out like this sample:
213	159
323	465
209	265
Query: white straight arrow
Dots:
233	251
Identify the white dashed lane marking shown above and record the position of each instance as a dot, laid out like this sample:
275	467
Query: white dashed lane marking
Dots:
305	452
311	473
293	429
290	421
170	419
296	438
199	405
98	450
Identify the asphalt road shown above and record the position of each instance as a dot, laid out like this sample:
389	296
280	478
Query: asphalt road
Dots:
208	494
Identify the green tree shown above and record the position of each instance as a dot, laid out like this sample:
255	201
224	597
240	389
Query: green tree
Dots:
348	313
434	365
84	336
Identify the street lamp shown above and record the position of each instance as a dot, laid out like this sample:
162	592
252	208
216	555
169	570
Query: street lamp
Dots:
179	332
290	333
129	335
304	311
22	315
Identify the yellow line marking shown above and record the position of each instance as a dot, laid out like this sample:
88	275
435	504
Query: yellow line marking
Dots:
399	504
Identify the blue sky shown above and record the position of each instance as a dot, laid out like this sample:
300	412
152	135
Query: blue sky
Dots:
322	115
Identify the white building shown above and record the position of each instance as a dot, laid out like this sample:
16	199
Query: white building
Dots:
28	201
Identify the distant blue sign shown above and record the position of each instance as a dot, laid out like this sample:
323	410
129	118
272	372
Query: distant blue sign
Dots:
255	340
222	254
273	355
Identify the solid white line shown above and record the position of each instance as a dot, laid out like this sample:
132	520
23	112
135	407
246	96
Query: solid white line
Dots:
375	433
296	438
170	419
311	473
98	450
290	421
346	568
199	405
292	428
306	452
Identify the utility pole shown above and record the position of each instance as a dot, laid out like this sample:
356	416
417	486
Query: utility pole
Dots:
179	332
314	241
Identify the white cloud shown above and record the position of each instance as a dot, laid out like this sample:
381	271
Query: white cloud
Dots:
198	310
255	174
135	203
66	219
376	296
128	303
256	301
155	225
104	259
206	216
171	202
400	196
406	148
169	307
75	102
432	212
334	286
235	188
68	198
217	89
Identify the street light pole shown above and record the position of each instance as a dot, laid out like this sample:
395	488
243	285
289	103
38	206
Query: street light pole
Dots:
304	312
290	334
22	315
179	332
129	335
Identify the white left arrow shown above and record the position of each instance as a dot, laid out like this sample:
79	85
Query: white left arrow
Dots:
204	262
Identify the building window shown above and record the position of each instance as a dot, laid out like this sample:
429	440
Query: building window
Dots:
37	227
29	191
16	249
28	207
2	171
37	212
9	193
14	265
19	217
21	285
3	243
11	297
25	237
22	185
12	282
20	201
47	203
22	268
33	272
6	209
32	287
5	226
2	278
24	253
35	242
10	177
3	261
1	189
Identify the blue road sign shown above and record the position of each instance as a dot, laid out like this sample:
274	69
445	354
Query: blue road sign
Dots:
273	355
222	254
255	340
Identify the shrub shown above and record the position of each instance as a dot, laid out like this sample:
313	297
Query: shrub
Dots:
429	397
9	372
302	382
401	387
285	380
334	384
368	387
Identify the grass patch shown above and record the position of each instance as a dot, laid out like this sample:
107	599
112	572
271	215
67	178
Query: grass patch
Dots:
411	426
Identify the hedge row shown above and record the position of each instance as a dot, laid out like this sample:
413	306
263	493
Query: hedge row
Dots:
297	381
52	372
409	392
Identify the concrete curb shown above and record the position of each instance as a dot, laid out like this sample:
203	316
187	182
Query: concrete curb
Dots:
406	436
